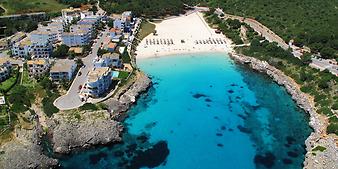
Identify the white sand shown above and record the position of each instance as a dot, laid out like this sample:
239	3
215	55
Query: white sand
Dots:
190	28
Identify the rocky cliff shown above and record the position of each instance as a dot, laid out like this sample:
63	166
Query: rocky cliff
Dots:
77	130
125	97
25	152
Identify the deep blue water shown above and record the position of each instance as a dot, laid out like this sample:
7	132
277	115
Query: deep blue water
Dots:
205	112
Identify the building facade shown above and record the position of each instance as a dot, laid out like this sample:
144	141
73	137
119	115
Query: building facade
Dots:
38	67
63	69
27	48
99	81
111	60
5	69
70	13
43	37
78	38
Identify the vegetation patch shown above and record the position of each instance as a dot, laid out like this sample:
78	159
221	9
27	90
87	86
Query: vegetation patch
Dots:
2	10
29	6
149	8
6	85
89	106
230	28
123	74
319	148
309	22
125	57
322	85
146	29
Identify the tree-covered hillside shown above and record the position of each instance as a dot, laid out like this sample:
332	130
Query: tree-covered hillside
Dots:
310	22
150	8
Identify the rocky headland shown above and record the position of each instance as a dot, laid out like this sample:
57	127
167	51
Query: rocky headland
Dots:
78	130
25	151
313	159
72	130
127	96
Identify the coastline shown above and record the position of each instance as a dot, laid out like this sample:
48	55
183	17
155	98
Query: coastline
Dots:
121	102
313	159
72	131
182	53
318	122
172	38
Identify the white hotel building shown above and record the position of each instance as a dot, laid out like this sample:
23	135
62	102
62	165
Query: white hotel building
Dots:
43	36
78	38
99	81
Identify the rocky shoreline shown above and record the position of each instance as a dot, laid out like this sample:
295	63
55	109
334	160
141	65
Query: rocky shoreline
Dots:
127	96
319	160
25	151
79	130
73	130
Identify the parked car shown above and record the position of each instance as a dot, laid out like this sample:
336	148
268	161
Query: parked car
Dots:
80	73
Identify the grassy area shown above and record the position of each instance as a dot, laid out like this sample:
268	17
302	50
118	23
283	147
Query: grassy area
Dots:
123	74
146	29
6	85
92	107
27	6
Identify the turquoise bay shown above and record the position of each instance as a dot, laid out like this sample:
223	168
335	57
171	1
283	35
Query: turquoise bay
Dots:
209	113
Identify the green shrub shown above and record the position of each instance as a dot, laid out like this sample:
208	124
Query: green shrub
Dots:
89	106
319	148
332	128
325	110
335	106
48	107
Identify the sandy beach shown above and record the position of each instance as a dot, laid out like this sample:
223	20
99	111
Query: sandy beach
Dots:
184	34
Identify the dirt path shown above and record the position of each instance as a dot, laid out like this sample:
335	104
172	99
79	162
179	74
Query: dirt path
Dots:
1	6
259	28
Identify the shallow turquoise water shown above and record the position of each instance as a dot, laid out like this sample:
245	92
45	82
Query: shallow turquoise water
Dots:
205	112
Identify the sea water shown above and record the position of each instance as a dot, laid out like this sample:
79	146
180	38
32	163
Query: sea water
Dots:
205	112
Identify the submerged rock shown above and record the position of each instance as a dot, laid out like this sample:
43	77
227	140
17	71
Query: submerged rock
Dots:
150	158
267	159
199	95
95	158
287	161
243	129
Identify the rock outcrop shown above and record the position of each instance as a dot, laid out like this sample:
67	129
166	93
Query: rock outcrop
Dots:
124	98
24	152
328	158
78	130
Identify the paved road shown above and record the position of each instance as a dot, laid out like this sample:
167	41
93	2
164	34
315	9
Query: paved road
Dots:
72	100
323	64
